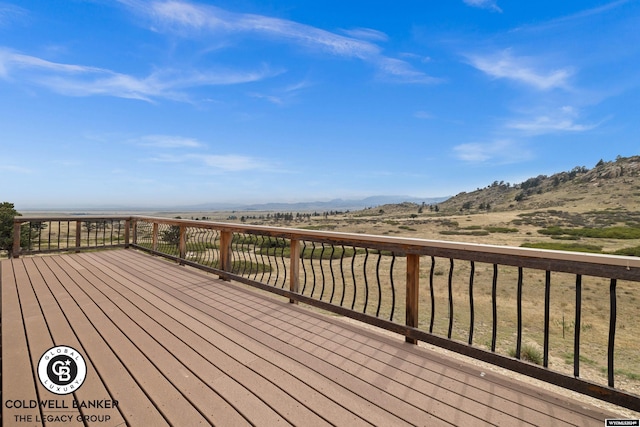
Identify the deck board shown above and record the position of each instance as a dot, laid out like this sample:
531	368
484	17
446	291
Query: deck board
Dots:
175	346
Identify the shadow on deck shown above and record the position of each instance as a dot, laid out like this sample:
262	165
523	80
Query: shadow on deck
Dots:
169	345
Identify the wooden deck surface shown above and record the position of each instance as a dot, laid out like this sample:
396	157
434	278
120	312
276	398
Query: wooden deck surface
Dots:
175	346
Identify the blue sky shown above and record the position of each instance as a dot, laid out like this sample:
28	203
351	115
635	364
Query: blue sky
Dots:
155	103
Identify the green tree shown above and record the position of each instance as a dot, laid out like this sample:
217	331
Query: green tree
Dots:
172	235
7	213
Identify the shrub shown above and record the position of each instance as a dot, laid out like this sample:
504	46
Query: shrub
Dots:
528	353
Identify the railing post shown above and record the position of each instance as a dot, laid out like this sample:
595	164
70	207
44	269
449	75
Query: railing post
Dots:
17	226
154	237
78	235
413	284
225	251
127	226
134	226
182	245
294	268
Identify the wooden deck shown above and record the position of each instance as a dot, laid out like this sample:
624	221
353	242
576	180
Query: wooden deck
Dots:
175	346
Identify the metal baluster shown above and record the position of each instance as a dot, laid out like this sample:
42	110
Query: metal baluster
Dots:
284	265
353	277
304	269
313	271
547	295
494	290
342	274
433	300
322	271
333	277
366	283
393	288
450	288
577	327
378	280
612	331
471	311
519	314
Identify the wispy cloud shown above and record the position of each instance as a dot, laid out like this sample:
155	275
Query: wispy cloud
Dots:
216	163
564	119
366	34
588	13
10	13
484	4
501	151
503	65
423	115
168	141
209	22
15	169
82	80
400	71
282	96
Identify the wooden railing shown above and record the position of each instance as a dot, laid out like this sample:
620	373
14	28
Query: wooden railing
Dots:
491	303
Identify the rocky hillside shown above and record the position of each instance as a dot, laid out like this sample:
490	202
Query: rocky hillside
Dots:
608	185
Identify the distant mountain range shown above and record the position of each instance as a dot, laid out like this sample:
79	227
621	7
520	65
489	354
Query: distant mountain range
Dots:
335	204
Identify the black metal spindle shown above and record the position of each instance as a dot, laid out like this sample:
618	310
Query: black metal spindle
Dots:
450	289
577	327
353	277
366	282
260	248
322	271
393	288
433	300
304	269
494	306
275	260
519	314
471	310
378	281
333	277
246	239
342	275
284	265
313	271
612	331
547	296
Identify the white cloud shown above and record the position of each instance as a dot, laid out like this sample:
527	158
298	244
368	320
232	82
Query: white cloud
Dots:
522	69
233	163
195	20
216	163
484	4
168	141
561	120
545	124
15	169
366	34
423	115
81	80
500	151
400	71
10	13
